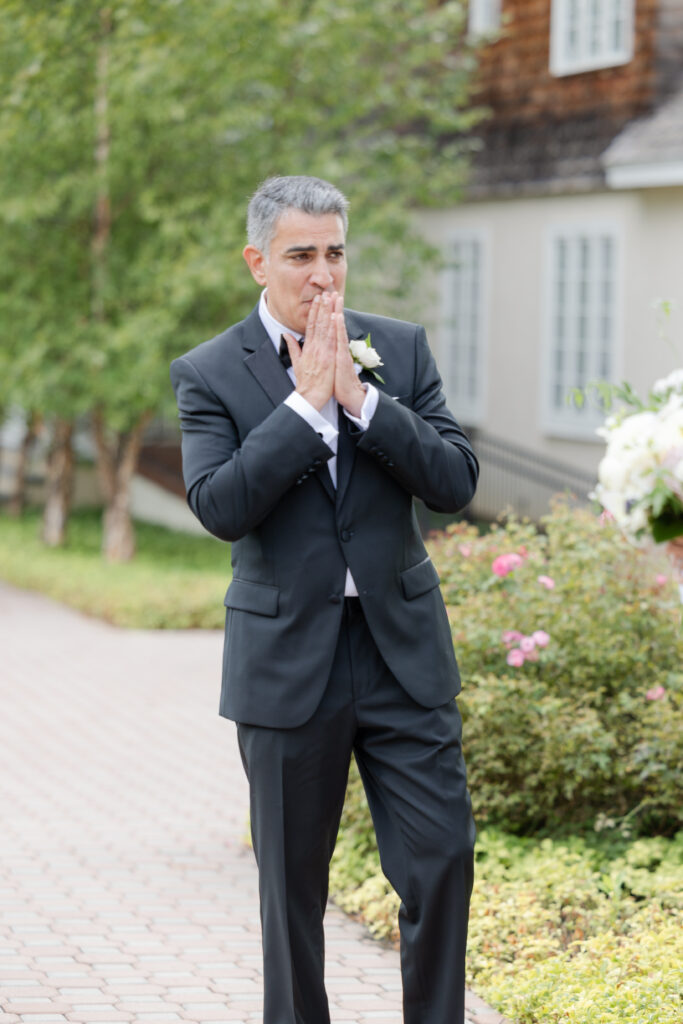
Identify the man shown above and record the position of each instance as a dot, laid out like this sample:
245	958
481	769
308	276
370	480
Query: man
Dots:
337	639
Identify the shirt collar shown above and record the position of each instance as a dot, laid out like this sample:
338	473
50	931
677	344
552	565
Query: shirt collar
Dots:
273	327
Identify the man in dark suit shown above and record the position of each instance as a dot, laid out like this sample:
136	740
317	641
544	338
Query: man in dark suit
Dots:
336	636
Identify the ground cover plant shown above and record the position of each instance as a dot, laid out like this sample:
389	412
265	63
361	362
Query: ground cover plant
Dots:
582	929
176	581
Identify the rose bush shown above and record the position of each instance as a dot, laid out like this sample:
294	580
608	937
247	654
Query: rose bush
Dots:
560	655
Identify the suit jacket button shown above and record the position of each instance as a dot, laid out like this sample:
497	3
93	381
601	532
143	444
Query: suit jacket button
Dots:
389	463
346	535
335	599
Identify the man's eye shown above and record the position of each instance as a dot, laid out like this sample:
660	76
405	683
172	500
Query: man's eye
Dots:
336	255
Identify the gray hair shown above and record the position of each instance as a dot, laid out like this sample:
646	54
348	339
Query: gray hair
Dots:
296	192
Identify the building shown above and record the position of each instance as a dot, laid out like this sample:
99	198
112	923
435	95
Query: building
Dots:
571	232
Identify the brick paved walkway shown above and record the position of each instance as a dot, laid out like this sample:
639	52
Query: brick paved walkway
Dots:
126	891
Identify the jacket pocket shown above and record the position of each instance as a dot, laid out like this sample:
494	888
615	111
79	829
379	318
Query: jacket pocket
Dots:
418	579
259	598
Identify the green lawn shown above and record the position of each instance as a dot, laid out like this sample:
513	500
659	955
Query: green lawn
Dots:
175	581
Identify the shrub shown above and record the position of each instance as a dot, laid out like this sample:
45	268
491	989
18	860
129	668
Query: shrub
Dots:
583	726
583	735
560	930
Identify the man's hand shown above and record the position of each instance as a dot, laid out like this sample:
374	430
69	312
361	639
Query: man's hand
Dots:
348	390
314	364
324	367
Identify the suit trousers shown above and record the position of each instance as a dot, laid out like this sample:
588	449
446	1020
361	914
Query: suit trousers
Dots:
411	763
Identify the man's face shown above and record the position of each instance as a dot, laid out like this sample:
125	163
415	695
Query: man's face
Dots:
307	257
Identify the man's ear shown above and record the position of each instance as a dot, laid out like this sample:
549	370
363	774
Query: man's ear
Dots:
256	262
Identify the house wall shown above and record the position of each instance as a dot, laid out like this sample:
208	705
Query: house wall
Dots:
649	226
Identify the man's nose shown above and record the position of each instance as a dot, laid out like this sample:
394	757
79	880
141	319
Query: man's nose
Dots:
321	276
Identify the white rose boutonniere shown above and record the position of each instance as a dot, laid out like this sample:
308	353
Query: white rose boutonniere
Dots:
366	356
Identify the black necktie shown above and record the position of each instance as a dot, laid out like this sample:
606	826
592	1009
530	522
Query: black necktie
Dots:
284	352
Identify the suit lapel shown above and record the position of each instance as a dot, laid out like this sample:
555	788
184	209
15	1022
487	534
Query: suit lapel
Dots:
265	365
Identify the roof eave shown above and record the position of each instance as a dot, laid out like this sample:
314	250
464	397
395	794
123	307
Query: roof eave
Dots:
659	174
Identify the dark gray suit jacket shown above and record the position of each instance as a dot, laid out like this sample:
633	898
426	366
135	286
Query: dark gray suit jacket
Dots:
256	475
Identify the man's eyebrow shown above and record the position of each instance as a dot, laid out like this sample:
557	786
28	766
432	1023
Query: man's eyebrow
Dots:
313	248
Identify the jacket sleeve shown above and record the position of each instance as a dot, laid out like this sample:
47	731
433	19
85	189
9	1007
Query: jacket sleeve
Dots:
232	484
420	444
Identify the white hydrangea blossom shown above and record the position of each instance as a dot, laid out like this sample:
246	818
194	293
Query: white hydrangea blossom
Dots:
643	448
674	382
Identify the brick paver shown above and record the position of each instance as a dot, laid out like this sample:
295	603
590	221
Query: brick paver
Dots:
126	890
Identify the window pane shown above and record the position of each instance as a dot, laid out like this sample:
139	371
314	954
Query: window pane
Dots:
581	318
590	34
463	324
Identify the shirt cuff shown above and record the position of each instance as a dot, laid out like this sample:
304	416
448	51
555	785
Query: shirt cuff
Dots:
367	409
316	420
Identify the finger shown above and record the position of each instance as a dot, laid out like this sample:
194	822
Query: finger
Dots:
339	320
312	316
323	323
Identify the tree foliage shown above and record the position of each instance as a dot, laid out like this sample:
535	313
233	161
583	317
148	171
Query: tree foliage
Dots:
169	112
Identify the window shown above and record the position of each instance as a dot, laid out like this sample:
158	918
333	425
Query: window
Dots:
590	34
580	331
484	16
462	328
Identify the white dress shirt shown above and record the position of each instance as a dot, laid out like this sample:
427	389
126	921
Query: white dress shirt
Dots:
325	421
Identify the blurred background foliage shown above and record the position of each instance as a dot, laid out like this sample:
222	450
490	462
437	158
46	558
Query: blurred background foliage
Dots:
132	135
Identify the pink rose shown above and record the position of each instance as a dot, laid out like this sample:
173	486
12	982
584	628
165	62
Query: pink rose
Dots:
465	550
511	637
527	644
540	638
547	581
661	579
515	658
605	517
504	564
532	656
656	693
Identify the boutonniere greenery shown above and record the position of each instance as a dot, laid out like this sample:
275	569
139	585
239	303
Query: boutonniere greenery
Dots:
366	356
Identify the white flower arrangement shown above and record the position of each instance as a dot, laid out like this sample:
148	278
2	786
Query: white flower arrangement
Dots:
366	356
641	474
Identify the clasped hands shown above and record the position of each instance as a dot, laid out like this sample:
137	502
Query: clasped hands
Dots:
324	367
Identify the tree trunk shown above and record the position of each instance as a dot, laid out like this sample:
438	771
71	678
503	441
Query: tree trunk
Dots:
117	459
16	502
60	474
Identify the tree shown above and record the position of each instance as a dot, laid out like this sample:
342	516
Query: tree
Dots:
133	134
